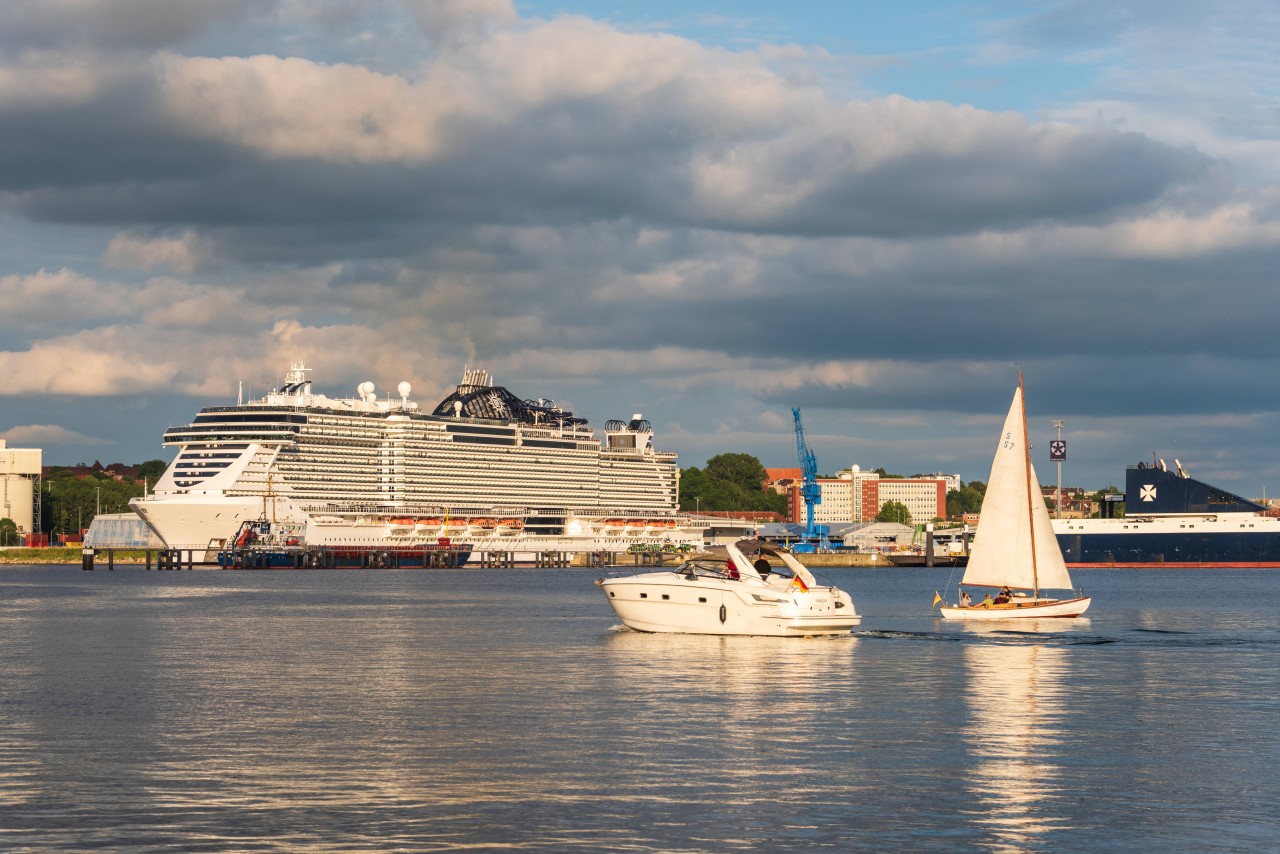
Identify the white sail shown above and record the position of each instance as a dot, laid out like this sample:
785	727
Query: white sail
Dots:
1002	545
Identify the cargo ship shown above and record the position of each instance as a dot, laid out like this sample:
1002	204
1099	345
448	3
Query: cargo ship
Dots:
484	469
1171	519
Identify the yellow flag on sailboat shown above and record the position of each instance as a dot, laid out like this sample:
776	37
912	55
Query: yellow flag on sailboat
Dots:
937	598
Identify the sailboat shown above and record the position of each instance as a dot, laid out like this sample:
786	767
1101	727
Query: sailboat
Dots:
1014	549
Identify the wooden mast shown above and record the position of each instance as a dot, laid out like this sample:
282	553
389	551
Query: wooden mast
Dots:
1031	520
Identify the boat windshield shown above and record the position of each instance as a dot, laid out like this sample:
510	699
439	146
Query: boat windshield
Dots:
713	567
701	567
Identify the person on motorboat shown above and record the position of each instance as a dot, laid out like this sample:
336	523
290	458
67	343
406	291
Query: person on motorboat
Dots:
731	571
762	567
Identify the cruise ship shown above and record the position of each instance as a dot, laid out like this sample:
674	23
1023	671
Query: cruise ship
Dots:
485	468
1173	520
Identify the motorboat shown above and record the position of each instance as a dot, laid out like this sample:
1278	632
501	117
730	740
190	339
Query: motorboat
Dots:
750	587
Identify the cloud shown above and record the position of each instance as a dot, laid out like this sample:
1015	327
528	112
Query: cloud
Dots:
115	23
621	218
49	435
131	251
445	21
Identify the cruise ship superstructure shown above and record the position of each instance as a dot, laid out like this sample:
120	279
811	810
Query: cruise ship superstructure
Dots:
484	467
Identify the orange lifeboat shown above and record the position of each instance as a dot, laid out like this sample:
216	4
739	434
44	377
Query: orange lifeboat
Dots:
481	525
613	526
508	526
428	523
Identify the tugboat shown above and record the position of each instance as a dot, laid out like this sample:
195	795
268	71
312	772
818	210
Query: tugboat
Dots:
275	545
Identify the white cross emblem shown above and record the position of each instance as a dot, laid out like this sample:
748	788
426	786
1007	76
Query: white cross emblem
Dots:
1148	492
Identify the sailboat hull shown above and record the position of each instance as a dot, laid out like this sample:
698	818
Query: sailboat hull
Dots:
1019	610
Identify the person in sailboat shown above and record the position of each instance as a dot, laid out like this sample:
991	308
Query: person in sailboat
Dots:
965	601
986	601
1003	597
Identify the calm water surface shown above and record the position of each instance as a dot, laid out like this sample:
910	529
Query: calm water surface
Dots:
491	710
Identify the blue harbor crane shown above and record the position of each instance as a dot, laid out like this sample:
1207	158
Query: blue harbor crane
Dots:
815	536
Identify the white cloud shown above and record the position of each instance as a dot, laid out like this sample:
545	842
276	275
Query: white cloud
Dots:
45	435
133	251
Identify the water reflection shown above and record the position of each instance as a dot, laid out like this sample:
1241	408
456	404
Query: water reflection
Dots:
741	666
1016	696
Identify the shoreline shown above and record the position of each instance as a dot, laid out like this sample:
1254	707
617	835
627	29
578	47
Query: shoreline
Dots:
138	557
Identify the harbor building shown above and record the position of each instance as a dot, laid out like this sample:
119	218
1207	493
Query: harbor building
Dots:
20	486
854	495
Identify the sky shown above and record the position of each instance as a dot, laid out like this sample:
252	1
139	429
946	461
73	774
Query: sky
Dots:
705	212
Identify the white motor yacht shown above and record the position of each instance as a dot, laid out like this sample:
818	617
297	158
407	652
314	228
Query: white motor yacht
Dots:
745	588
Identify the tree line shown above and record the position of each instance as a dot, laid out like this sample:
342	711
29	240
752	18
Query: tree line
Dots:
69	502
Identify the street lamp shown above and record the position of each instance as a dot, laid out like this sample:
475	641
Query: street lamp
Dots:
697	499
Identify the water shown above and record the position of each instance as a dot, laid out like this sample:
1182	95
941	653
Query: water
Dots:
503	710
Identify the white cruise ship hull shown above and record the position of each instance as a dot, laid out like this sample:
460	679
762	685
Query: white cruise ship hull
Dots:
197	522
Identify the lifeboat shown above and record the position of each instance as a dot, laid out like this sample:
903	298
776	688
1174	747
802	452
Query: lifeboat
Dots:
635	526
428	523
400	525
613	526
507	527
481	525
455	526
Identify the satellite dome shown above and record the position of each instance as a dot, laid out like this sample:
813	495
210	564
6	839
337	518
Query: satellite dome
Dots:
404	389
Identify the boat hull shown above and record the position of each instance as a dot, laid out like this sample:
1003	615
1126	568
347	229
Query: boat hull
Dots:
1019	610
671	602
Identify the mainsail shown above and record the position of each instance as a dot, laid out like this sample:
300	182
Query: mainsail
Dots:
1013	517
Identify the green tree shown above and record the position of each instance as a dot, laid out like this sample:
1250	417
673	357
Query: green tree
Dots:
151	470
733	482
742	470
894	511
70	502
967	499
8	532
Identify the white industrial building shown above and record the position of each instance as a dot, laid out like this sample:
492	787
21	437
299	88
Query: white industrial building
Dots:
20	486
